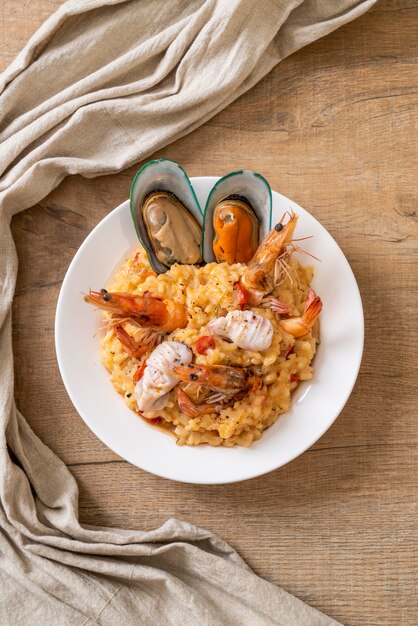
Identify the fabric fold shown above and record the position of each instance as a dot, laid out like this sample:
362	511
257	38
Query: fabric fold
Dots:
101	85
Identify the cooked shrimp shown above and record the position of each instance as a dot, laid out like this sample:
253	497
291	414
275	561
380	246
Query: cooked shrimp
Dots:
153	316
259	278
163	315
158	379
221	377
228	383
300	326
245	329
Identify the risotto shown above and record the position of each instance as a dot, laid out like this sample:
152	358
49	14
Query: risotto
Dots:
207	292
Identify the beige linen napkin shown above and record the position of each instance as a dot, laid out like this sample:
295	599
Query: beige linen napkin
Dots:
102	84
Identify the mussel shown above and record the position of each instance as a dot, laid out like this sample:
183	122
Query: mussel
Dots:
166	215
237	217
174	234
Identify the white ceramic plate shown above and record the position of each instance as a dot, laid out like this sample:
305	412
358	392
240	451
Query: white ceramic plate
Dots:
316	404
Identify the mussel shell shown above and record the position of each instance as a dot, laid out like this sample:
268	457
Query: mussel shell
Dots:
234	219
161	175
174	234
250	188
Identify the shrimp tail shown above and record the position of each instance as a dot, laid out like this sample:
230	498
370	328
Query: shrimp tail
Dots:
313	307
301	326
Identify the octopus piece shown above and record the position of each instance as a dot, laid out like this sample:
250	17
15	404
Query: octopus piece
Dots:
153	390
247	330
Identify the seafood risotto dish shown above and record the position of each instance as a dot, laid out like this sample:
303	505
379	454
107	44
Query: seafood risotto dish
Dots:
211	324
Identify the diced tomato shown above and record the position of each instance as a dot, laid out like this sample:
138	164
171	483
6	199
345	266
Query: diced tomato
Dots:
203	344
290	351
242	295
155	420
139	372
294	378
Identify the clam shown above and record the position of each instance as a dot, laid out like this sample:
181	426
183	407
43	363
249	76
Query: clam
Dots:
167	215
237	217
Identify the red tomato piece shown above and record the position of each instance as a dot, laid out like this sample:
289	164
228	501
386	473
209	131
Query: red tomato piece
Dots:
294	378
155	420
203	344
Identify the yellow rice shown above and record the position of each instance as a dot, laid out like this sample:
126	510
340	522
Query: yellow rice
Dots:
207	292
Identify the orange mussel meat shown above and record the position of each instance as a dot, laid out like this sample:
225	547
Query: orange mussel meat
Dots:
236	231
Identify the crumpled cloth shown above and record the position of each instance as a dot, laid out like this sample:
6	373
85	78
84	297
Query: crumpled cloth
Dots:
102	84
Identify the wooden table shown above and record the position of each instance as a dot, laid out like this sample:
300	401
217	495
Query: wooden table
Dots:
333	127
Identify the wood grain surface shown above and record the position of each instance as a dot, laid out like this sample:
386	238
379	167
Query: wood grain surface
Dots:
335	128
